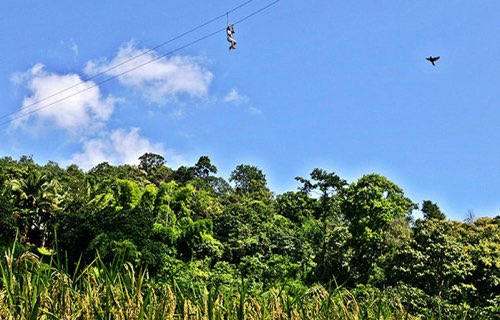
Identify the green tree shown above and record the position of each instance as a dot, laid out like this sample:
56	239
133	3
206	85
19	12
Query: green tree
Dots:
204	167
482	241
103	171
37	199
154	165
377	212
127	193
151	162
197	242
241	229
250	182
74	180
431	211
183	175
296	206
202	176
437	260
220	188
331	248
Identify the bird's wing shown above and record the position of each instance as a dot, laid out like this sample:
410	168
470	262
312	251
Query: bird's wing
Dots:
436	58
430	59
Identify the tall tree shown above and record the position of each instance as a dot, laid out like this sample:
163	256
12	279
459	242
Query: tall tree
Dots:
251	182
151	162
38	199
329	186
204	167
154	165
376	210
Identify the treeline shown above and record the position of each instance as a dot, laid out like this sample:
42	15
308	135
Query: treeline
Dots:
195	230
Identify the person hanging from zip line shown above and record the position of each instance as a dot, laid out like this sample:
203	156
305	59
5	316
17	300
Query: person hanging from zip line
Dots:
230	39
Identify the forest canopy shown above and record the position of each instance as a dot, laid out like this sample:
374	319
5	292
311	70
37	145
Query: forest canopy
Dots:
208	233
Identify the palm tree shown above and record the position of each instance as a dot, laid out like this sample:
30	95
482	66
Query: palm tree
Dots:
37	199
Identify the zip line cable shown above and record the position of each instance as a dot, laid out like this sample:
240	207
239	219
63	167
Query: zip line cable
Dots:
257	12
136	67
110	78
122	63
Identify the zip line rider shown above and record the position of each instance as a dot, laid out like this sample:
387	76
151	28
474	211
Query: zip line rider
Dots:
230	32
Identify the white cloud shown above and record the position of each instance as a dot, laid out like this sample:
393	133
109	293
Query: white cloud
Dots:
118	147
255	111
235	97
79	106
159	79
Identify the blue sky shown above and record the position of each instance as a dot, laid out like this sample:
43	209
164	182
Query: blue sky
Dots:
339	85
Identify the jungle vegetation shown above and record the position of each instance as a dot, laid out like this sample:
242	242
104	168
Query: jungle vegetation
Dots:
152	242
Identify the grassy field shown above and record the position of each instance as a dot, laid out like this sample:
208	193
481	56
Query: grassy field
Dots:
33	289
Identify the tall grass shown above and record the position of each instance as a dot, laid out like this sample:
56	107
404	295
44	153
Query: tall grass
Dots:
33	289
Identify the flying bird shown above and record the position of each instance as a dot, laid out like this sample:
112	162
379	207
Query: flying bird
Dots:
433	59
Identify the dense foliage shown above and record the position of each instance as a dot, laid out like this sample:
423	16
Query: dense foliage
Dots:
205	241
